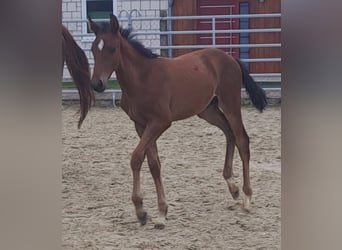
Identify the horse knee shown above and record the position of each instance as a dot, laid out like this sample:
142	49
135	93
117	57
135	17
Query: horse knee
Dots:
137	159
155	169
153	163
152	159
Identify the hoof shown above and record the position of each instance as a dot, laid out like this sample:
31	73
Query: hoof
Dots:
234	207
142	218
233	189
159	226
247	204
246	209
235	193
159	223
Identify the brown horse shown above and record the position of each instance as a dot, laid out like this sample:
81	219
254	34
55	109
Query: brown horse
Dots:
157	91
78	66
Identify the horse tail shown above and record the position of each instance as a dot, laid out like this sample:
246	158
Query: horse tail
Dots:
78	66
255	92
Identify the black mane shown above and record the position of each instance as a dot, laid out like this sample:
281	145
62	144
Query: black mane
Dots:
130	37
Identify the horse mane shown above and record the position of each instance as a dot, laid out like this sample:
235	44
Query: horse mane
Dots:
136	44
78	66
131	39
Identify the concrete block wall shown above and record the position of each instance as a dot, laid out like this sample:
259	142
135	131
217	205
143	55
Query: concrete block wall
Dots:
144	8
73	9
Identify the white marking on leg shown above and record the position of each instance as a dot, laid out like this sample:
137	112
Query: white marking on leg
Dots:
233	188
230	182
100	45
247	203
160	222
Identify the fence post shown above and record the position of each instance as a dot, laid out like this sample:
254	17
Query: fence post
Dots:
213	27
129	21
169	27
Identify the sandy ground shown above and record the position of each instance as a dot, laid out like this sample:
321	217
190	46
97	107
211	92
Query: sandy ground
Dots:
97	184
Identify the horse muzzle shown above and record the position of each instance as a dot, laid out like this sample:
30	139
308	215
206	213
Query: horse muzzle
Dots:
99	86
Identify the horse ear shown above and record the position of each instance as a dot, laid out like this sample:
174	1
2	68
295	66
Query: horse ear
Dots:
93	26
114	24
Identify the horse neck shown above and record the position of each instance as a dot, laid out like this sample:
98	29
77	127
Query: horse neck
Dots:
133	67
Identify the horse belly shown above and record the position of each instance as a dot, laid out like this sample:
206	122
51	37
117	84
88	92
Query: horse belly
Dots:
190	99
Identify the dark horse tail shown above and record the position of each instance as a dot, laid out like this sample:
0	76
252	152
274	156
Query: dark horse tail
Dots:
78	66
255	92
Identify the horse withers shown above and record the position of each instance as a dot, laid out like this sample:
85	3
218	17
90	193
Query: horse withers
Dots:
157	91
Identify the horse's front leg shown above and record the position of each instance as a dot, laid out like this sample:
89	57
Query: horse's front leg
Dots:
148	136
155	167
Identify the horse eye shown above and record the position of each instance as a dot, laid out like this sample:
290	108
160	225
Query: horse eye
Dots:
111	50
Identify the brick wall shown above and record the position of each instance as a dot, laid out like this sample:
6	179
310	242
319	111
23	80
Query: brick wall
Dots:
145	8
72	9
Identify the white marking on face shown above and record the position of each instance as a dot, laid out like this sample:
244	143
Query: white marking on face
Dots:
100	45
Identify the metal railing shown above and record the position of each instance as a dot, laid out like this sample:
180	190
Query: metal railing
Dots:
88	37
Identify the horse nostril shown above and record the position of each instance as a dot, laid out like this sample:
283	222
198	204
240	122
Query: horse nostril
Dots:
99	86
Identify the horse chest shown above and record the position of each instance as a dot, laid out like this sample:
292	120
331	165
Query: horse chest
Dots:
138	113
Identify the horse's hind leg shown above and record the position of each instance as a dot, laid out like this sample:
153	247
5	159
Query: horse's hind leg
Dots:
214	116
232	110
